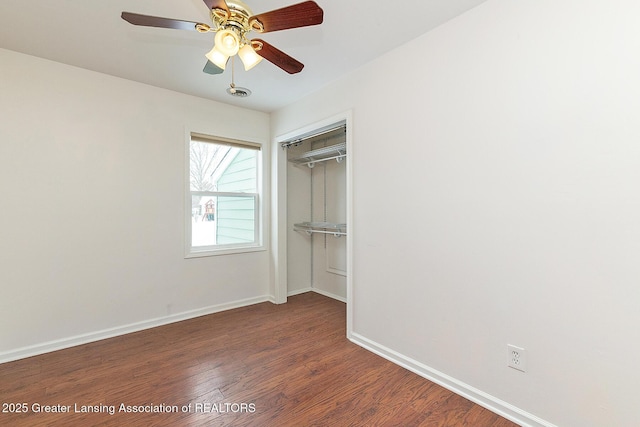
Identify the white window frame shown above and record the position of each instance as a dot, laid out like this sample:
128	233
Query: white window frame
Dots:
203	251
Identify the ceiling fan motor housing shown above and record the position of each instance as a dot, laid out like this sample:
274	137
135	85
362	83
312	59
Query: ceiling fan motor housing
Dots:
237	21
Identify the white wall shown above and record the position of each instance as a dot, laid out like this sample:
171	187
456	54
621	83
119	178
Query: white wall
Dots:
508	152
92	194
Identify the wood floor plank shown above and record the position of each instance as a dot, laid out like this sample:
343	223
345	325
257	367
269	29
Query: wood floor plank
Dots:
263	365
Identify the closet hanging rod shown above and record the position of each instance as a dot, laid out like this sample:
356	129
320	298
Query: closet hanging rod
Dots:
337	152
333	233
313	134
335	229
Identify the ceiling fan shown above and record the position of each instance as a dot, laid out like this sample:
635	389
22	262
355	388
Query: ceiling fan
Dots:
232	20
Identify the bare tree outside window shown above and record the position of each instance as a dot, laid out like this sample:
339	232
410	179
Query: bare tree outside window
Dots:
203	165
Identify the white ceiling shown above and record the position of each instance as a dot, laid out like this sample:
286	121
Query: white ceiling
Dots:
91	34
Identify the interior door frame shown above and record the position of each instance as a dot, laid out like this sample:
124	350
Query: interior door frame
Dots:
279	208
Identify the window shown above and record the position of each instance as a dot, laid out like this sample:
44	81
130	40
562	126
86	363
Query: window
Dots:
223	205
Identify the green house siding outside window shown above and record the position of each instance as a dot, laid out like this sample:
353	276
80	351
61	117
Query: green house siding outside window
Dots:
236	215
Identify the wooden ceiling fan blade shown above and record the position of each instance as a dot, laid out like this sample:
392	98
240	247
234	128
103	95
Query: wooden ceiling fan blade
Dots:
211	68
155	21
277	57
298	15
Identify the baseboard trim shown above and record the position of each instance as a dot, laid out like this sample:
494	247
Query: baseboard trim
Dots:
318	291
299	291
47	347
329	294
483	399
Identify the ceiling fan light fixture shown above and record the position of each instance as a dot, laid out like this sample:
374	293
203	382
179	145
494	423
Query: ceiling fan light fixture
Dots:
217	57
231	20
227	42
249	57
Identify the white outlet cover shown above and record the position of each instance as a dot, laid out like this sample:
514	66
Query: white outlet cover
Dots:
516	358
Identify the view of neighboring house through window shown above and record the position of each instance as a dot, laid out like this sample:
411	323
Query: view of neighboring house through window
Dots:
224	196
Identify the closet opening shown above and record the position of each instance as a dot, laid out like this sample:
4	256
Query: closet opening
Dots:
317	211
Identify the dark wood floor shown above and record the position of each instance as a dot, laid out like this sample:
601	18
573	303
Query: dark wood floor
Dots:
264	365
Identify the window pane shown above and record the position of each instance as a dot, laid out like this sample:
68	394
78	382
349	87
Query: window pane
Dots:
218	220
224	212
205	164
236	220
217	167
240	175
203	221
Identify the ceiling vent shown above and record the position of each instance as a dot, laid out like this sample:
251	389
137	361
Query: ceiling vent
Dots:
240	92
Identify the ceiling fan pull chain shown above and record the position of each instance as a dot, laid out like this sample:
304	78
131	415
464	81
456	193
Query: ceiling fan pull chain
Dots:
233	85
240	92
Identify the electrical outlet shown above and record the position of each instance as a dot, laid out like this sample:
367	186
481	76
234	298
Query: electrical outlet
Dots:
517	358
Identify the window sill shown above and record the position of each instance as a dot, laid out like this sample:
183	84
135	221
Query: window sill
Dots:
194	253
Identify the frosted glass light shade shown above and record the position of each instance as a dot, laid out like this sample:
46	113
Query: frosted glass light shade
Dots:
217	57
227	42
249	57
